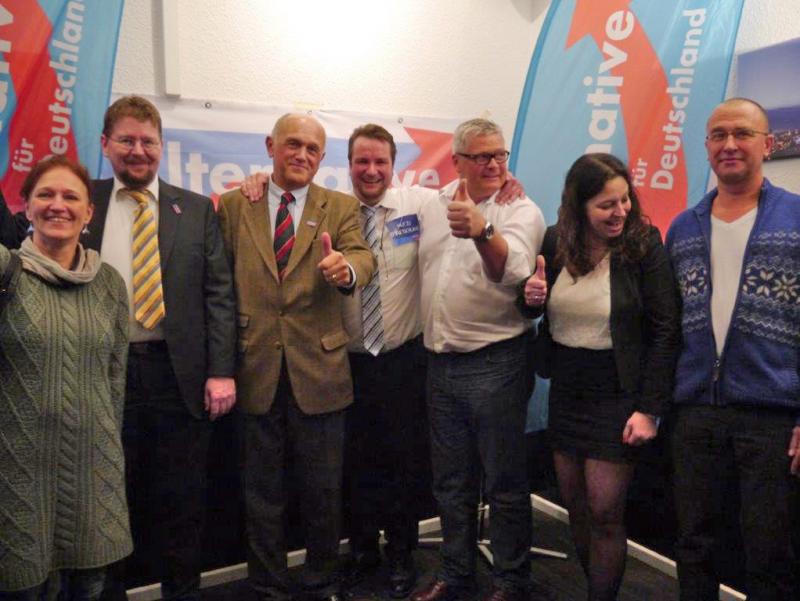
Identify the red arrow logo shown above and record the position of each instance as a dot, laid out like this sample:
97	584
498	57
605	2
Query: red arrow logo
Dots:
436	154
42	122
632	79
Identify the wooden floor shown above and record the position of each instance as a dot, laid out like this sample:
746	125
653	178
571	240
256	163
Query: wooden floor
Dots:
552	579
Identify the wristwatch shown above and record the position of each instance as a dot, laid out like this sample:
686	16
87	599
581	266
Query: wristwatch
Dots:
486	234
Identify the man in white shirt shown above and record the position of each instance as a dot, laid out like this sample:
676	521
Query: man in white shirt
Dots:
386	426
473	252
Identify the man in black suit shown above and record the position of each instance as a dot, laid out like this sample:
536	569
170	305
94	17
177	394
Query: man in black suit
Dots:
181	359
180	370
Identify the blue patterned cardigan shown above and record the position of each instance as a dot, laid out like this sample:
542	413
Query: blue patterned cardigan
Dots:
760	361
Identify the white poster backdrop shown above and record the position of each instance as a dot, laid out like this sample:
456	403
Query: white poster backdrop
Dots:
209	148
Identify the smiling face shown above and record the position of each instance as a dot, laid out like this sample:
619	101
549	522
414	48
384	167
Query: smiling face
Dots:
482	180
738	161
134	165
606	212
58	208
296	148
370	169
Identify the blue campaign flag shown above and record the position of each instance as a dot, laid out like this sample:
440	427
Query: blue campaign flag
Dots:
634	78
55	78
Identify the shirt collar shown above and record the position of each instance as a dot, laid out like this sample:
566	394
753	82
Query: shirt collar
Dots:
389	202
275	192
152	188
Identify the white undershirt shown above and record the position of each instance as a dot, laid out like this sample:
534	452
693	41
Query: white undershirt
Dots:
728	243
579	309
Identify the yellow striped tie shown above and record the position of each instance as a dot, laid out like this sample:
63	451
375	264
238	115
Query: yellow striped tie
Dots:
148	298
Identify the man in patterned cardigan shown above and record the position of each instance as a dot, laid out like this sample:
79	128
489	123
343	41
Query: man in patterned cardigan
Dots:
736	256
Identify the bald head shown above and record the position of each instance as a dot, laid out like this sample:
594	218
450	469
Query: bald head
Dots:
296	145
746	104
737	142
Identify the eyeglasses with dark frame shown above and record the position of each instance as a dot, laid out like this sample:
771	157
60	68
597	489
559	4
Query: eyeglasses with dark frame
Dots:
483	158
740	134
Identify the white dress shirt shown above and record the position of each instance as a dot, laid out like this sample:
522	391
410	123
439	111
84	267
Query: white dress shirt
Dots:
397	266
462	309
117	249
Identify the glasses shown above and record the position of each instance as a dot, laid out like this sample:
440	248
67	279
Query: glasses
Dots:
483	158
129	143
740	134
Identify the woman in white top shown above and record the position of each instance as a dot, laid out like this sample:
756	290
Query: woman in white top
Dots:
608	340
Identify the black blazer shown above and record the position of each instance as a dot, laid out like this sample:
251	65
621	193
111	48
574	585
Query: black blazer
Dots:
199	326
645	322
13	228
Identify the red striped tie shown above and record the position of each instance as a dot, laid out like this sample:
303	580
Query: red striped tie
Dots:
284	234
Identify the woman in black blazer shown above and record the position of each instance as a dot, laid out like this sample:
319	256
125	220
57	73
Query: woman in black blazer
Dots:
608	340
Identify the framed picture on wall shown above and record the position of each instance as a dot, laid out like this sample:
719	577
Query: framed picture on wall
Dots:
768	76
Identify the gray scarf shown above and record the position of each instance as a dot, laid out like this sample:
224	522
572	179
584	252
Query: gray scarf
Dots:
86	266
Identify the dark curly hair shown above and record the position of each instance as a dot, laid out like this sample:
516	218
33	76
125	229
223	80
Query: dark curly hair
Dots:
586	179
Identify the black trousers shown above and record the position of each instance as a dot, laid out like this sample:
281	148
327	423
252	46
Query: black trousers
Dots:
755	440
166	452
286	451
387	457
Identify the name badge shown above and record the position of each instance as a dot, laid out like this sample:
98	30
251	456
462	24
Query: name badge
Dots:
404	229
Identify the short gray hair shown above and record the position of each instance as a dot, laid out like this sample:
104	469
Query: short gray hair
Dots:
474	127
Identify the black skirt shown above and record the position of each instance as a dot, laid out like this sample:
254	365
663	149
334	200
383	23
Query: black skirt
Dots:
588	410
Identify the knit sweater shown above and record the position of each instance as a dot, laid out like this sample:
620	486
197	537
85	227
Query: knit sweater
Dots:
63	353
759	364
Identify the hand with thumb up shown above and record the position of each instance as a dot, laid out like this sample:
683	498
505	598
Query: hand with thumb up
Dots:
536	286
334	266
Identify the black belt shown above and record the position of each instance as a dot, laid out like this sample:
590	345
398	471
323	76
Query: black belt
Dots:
145	348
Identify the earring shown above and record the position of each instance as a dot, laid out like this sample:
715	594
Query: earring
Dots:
85	230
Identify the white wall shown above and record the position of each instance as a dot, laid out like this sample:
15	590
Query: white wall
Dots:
449	58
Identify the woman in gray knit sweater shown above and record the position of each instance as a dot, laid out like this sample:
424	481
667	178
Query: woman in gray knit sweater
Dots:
63	346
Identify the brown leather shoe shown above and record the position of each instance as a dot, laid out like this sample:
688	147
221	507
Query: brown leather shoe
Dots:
503	595
436	591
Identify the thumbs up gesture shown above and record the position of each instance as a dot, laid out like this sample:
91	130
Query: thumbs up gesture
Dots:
464	217
536	286
334	267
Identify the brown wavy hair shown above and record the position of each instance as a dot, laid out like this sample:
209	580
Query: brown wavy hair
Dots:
53	162
586	179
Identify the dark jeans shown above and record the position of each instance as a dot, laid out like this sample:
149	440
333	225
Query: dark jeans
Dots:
285	450
387	455
477	412
704	439
166	454
64	585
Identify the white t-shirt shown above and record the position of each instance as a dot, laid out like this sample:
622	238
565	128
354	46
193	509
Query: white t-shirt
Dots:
728	243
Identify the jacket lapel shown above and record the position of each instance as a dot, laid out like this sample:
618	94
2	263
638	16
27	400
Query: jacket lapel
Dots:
256	218
101	196
305	230
169	214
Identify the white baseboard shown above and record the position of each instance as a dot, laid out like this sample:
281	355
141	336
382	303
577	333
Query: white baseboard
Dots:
227	574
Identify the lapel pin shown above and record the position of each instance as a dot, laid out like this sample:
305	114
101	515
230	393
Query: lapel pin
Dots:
176	208
311	223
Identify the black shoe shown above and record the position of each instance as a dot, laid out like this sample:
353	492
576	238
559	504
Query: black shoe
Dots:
402	576
361	567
